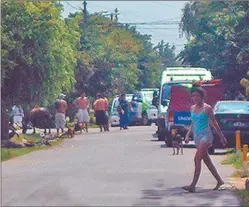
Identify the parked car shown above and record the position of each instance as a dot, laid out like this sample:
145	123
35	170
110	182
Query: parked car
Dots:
231	116
145	112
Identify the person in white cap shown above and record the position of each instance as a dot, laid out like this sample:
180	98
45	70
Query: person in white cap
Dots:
60	116
18	114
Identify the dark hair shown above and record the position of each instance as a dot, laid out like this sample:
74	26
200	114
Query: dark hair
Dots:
99	95
199	90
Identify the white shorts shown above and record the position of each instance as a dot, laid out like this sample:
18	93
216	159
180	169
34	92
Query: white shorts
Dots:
83	116
18	120
60	120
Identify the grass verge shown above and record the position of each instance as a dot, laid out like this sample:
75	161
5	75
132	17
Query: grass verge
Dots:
233	159
9	153
236	162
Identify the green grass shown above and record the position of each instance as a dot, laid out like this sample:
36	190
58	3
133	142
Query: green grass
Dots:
234	160
9	153
92	121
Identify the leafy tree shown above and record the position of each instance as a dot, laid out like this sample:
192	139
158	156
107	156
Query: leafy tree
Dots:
38	55
218	38
245	83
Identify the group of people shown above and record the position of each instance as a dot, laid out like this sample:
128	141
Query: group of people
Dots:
101	108
82	103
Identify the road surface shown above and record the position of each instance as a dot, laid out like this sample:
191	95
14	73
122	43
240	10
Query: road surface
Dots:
118	168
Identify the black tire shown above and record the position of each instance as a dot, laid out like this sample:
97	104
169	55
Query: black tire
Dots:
145	120
211	150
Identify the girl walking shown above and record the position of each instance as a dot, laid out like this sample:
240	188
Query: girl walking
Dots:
202	116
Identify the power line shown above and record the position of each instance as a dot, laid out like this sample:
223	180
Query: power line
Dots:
156	2
153	23
79	8
166	28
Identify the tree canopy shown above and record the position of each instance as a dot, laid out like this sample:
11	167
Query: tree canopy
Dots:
44	54
38	52
218	38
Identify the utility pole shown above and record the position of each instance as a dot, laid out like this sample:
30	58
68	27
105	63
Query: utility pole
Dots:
116	15
85	12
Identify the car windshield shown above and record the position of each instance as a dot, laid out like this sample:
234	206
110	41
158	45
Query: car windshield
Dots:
167	90
242	107
148	96
136	96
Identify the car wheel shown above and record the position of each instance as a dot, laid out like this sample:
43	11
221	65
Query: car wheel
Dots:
211	150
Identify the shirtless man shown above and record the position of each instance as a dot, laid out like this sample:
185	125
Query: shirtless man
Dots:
60	116
82	103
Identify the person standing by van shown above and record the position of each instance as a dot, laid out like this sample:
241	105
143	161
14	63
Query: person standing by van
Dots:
124	109
18	114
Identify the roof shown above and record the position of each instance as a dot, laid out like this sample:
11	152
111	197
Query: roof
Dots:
185	73
233	101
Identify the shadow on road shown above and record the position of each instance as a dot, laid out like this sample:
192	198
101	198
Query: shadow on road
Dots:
176	196
217	152
155	140
184	146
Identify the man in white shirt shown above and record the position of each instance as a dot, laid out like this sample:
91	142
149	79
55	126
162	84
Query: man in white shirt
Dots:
18	114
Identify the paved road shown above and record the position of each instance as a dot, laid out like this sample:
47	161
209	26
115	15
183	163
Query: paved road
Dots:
118	168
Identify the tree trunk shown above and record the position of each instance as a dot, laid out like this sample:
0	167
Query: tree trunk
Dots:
4	122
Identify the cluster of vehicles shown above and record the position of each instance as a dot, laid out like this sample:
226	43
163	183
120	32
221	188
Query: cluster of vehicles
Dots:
175	102
173	108
144	112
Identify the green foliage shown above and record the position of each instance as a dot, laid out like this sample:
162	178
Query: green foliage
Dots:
218	38
39	52
9	153
245	83
114	58
44	54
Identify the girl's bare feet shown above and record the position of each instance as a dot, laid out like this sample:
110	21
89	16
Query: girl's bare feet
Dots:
219	184
189	188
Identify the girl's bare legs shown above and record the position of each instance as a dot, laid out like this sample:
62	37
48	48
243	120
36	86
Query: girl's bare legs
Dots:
207	160
200	154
